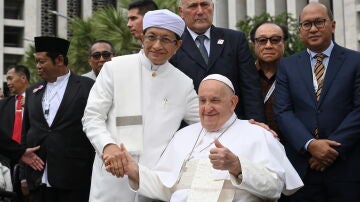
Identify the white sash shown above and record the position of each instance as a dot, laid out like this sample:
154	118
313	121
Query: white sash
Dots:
129	122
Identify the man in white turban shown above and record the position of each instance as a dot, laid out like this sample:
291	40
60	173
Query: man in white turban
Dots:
220	159
138	100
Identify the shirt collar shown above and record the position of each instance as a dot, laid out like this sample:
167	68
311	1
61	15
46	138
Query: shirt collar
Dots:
60	79
327	52
226	125
194	35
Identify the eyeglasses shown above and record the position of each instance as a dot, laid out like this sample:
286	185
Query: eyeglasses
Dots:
163	40
273	40
104	54
319	23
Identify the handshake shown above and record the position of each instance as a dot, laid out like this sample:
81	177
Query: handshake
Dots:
118	162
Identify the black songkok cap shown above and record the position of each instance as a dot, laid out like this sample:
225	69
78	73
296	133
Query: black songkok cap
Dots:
51	44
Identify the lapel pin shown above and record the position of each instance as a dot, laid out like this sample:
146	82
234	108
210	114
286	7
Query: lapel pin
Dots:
220	41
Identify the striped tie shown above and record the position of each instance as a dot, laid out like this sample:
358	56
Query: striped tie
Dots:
203	51
319	72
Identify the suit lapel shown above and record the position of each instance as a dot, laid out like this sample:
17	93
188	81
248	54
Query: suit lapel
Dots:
306	73
334	65
216	44
38	95
190	48
69	95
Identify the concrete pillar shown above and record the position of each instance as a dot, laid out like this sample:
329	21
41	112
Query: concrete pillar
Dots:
351	24
62	21
237	12
295	6
32	16
255	8
275	7
340	23
221	13
86	9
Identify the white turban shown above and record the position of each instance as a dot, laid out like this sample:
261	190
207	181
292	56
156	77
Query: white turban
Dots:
164	19
221	78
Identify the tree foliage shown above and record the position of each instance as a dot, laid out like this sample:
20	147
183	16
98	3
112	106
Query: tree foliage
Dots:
105	24
111	24
293	44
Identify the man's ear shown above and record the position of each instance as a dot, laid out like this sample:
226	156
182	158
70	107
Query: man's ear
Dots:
59	60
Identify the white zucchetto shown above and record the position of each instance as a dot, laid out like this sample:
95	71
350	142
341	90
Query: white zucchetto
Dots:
220	78
164	19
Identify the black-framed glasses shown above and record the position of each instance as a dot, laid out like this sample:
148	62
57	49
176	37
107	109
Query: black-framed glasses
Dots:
318	23
163	40
104	54
273	40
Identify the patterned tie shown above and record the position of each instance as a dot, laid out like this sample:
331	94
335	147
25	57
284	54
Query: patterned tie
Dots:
201	39
18	120
319	72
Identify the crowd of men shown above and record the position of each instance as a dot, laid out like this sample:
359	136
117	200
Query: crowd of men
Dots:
115	133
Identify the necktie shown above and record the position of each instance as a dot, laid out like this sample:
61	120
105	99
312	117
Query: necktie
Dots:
319	72
18	120
203	51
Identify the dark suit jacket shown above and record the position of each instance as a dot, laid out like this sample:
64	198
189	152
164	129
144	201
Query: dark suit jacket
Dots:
64	146
7	115
336	115
230	57
9	148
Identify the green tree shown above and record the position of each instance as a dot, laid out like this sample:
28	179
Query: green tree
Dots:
293	44
168	4
29	62
105	24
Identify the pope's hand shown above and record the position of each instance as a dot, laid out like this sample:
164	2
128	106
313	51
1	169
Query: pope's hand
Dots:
131	168
222	158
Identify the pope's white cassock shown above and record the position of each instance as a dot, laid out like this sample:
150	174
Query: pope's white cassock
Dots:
184	172
134	102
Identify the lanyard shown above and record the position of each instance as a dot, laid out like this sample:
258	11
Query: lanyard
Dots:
268	94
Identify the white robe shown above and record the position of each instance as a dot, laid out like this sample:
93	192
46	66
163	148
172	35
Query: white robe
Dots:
266	171
166	100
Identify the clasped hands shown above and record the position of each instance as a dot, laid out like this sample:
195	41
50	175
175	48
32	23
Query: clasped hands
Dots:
119	162
322	154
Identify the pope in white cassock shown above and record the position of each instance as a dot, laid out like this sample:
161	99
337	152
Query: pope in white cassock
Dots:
138	100
220	159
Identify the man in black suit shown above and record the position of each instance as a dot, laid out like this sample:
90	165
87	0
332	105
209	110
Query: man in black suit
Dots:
52	119
17	79
223	51
11	111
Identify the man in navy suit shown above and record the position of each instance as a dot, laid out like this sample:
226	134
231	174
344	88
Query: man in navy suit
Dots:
317	107
223	51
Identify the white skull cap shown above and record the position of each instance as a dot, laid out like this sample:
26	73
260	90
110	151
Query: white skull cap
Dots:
221	78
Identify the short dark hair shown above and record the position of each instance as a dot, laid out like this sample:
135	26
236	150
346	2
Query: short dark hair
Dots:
21	69
143	6
283	28
102	41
